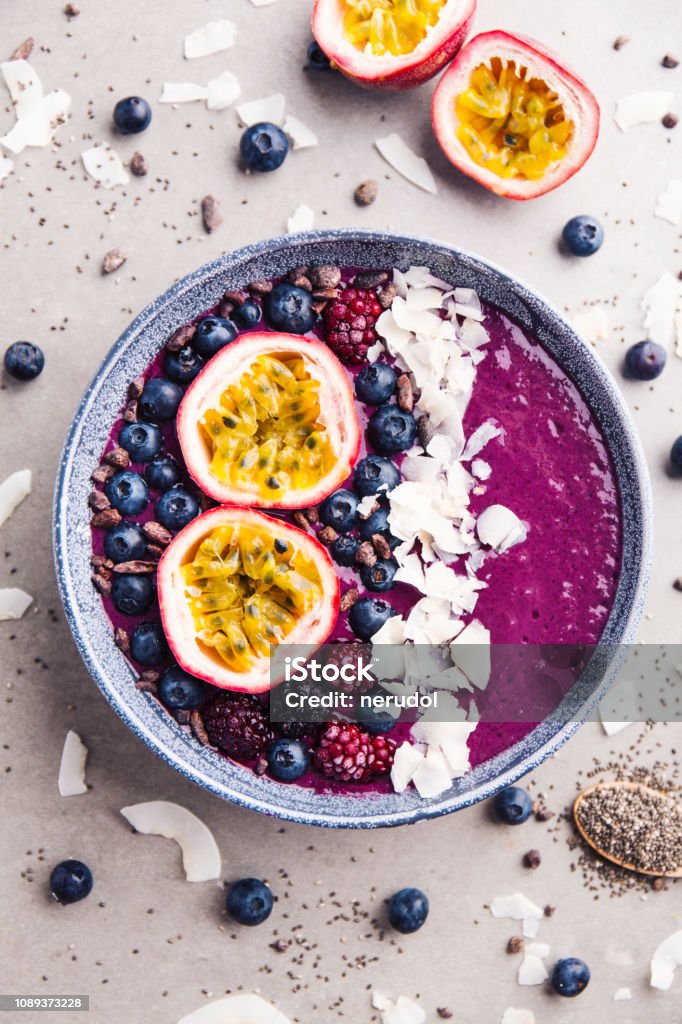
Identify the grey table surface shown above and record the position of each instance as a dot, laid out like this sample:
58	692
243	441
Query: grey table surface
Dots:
148	946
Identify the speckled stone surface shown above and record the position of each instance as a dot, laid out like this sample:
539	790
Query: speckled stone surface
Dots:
148	946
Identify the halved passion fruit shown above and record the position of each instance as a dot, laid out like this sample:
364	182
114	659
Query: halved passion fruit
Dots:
391	44
510	115
270	422
235	583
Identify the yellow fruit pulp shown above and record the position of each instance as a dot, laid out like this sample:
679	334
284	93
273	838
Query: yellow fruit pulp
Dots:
390	27
246	591
266	430
512	124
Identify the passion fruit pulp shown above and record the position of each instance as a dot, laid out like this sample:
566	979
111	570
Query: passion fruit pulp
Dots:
510	115
270	422
234	584
391	44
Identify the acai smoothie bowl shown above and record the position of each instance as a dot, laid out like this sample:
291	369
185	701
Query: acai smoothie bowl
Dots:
372	446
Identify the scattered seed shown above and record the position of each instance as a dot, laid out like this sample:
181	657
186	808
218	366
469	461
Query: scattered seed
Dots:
620	42
349	598
532	859
444	1012
106	519
24	50
279	945
113	261
138	165
366	192
210	213
515	944
669	120
549	910
669	61
658	884
72	10
678	583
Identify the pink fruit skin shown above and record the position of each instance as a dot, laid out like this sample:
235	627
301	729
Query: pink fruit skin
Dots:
407	73
455	79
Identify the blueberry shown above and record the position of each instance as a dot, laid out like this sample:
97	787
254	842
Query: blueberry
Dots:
71	881
182	366
159	400
583	235
142	441
288	759
148	644
676	455
407	910
180	691
162	473
344	548
127	492
378	523
125	543
176	508
513	805
249	901
379	577
368	615
340	510
24	360
317	58
375	383
132	115
645	360
132	594
373	718
288	308
263	147
570	976
247	315
391	430
374	472
212	334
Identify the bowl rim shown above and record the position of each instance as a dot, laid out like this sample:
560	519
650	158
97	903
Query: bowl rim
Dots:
541	742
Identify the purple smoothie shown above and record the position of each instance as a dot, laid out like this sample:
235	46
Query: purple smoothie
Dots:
552	468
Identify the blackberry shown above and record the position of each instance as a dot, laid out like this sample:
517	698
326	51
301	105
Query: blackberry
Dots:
238	725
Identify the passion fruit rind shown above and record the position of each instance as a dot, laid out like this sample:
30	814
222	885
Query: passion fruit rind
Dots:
235	583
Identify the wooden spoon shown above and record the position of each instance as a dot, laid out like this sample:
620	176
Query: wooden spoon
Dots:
640	787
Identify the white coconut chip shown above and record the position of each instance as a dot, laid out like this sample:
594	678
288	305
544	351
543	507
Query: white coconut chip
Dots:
270	108
450	738
183	92
71	780
532	970
592	325
246	1008
659	305
481	469
6	167
105	166
642	108
300	135
14	603
403	1011
665	961
366	505
13	490
302	219
392	631
407	759
210	38
512	1016
500	528
669	203
519	908
406	162
470	651
200	854
37	116
621	995
477	441
223	91
374	351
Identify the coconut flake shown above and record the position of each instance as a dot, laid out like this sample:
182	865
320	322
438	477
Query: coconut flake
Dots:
532	970
37	116
270	108
6	167
71	780
402	1011
512	1016
519	908
223	91
470	651
14	603
481	469
621	995
210	38
105	166
200	854
479	439
592	325
13	490
432	776
302	219
658	305
500	528
642	108
407	759
183	92
665	961
392	631
406	162
300	135
246	1008
669	203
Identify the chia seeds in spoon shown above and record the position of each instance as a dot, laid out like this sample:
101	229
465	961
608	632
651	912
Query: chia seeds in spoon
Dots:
635	826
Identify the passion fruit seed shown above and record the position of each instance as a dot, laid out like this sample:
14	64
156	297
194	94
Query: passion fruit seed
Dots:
390	27
512	124
266	430
246	591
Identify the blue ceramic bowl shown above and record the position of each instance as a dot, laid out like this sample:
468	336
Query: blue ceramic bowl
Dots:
100	404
